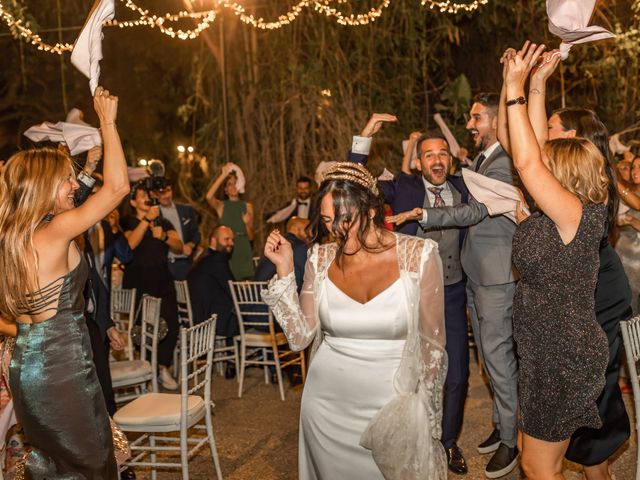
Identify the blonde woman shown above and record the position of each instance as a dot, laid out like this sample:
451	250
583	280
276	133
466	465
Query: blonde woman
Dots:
55	389
563	351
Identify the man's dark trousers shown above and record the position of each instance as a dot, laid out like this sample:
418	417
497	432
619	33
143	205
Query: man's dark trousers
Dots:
457	347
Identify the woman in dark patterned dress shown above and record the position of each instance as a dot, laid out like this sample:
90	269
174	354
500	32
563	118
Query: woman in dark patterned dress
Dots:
592	447
563	351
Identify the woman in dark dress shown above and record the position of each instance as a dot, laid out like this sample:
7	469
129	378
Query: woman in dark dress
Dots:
592	447
563	351
56	393
151	237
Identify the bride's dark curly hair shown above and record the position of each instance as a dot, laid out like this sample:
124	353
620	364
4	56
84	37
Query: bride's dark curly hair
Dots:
355	200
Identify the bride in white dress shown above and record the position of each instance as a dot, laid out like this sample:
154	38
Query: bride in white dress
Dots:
372	304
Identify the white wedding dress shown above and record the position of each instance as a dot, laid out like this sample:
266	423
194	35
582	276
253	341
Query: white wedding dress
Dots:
350	379
377	370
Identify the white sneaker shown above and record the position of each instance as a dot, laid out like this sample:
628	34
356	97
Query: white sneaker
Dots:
166	380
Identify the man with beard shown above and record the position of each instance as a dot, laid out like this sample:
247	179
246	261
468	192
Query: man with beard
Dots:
298	207
209	289
435	188
491	281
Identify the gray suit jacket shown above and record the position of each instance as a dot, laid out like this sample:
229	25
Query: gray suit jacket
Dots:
486	252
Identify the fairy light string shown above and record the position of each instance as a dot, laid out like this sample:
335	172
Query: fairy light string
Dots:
21	29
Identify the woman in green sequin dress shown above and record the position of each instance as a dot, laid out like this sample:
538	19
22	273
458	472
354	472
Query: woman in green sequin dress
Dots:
55	389
237	215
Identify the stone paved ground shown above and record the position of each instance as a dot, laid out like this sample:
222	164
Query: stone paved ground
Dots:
257	434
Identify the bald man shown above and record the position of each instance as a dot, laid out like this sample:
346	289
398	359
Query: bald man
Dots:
208	281
298	237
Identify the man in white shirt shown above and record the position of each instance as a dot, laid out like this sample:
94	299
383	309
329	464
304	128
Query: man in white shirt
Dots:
298	207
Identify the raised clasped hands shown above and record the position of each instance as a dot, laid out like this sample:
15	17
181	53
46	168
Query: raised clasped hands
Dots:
278	250
547	64
518	66
400	218
375	123
106	106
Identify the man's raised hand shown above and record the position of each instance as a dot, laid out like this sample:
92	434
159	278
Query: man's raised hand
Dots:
375	123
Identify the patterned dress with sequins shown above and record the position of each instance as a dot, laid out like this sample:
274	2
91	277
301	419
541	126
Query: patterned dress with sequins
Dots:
563	351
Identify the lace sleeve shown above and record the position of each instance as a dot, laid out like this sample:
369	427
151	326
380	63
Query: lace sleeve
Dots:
296	315
404	435
432	337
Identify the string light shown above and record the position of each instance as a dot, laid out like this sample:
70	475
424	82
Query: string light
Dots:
20	26
448	6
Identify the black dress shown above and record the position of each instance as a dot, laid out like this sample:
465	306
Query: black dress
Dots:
55	390
590	446
149	273
563	351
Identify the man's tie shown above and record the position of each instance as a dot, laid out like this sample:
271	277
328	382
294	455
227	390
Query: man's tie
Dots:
481	159
439	202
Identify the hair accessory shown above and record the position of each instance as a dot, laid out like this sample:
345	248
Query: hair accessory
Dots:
354	172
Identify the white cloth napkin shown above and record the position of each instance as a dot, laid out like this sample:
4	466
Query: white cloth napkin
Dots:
569	20
240	182
79	138
87	51
284	213
414	155
616	145
500	198
454	146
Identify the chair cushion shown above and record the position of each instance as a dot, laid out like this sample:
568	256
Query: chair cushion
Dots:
157	409
130	370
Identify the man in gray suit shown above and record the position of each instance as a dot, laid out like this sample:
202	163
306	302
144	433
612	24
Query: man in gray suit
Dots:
486	259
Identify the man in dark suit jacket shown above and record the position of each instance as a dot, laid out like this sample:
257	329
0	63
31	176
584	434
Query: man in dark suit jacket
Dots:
435	187
208	282
486	259
184	219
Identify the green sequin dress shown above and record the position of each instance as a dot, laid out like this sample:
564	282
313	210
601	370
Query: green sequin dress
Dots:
241	260
56	393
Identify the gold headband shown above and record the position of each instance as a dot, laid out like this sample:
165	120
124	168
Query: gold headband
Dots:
353	172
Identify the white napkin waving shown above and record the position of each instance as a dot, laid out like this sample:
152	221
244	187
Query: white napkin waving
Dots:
240	182
79	138
454	146
284	213
87	51
569	20
500	198
414	155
